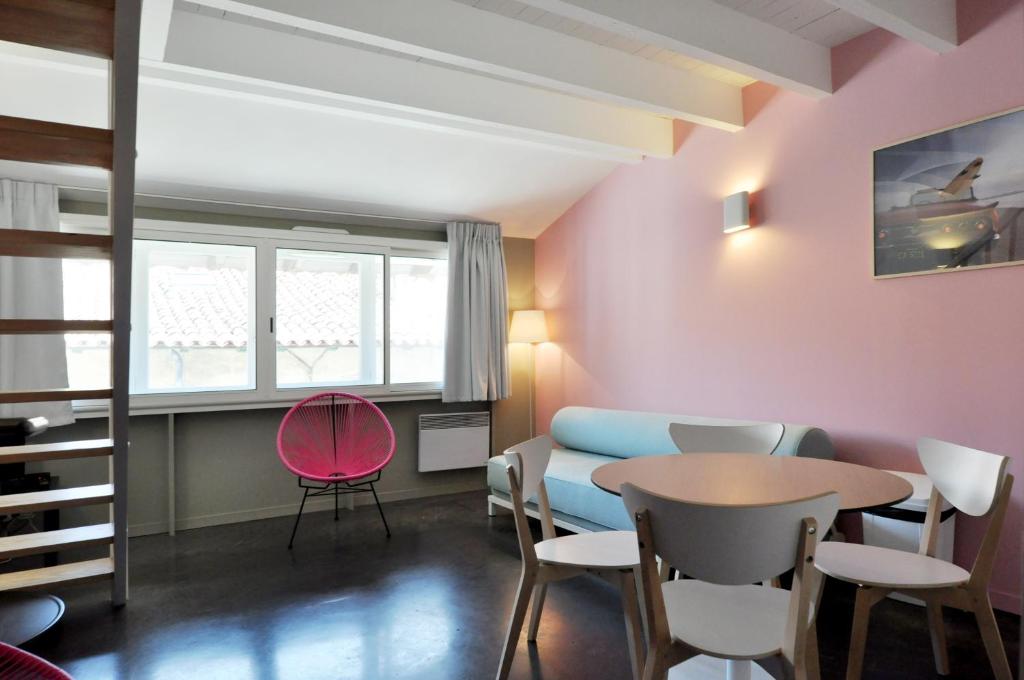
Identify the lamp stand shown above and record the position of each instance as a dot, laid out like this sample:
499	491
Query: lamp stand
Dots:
530	386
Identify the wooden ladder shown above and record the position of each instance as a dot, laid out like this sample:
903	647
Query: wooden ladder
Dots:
107	29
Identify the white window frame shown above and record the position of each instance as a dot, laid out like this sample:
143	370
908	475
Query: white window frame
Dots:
267	241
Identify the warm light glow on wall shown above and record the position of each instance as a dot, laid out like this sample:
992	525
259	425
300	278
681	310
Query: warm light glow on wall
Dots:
748	184
742	239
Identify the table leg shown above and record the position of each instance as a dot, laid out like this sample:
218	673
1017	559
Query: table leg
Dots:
737	670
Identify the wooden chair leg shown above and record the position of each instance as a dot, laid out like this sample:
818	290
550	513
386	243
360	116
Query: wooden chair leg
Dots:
655	666
991	637
811	658
634	628
937	627
515	624
540	591
866	599
663	570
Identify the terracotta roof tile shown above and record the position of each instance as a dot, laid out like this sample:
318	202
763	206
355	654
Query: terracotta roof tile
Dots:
198	307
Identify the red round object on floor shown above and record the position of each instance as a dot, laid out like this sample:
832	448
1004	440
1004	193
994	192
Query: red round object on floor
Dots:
17	664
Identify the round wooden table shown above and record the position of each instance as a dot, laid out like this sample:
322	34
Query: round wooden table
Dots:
754	479
749	479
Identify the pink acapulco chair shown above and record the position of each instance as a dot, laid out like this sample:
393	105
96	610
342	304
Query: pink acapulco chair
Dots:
17	664
336	443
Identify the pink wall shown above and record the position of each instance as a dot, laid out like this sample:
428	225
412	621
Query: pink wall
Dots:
653	308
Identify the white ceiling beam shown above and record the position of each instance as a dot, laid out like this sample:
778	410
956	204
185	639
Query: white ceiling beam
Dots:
156	22
452	33
252	60
931	23
710	32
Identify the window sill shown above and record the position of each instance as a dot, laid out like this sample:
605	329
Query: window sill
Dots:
83	411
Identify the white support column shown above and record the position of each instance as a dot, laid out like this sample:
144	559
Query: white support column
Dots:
124	85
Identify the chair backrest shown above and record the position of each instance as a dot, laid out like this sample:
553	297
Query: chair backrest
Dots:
526	464
729	545
18	664
967	478
530	460
335	436
759	438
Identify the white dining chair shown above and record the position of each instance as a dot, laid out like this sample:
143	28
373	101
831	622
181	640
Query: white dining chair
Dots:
759	438
612	555
977	484
718	613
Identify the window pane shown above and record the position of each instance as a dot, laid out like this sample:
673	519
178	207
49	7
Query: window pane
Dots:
418	302
330	318
193	311
87	296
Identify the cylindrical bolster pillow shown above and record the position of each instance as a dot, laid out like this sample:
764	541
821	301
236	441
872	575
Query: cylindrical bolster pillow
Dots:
626	434
809	442
623	434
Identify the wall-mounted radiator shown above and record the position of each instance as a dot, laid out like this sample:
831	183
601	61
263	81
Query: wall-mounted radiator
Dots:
449	441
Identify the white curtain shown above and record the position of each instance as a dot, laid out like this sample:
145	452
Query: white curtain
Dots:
476	338
32	288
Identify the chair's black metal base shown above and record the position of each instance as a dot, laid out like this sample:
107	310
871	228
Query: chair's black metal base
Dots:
337	489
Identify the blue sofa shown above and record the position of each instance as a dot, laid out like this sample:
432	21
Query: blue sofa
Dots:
590	437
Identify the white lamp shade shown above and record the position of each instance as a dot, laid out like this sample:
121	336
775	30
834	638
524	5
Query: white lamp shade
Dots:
528	325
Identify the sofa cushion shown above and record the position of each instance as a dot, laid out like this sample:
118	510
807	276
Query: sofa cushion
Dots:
626	434
570	490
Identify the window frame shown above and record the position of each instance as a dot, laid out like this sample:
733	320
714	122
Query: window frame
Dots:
266	241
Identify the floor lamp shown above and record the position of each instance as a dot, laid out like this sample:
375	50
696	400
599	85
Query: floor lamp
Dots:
529	326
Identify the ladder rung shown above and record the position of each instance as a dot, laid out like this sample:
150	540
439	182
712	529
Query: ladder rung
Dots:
28	243
39	326
80	26
60	394
89	448
62	539
37	141
35	501
72	572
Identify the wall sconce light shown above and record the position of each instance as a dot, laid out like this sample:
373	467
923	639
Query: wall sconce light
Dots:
737	212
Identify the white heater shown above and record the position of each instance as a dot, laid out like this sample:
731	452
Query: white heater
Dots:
449	441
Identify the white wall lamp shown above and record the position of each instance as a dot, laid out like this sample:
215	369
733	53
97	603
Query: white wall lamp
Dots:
530	327
737	212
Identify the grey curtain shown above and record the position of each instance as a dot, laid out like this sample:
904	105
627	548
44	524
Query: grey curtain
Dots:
476	337
32	288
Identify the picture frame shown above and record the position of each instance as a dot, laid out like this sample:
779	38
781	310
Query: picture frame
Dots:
950	199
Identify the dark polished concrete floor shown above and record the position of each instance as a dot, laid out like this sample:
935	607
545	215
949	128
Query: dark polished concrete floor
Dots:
431	603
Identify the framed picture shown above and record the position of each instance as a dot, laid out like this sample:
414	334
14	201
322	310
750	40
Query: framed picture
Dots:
952	199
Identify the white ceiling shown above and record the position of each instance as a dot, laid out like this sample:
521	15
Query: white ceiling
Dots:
497	110
815	20
538	17
210	145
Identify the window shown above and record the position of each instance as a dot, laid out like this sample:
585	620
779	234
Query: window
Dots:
330	318
193	317
419	293
87	296
237	315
